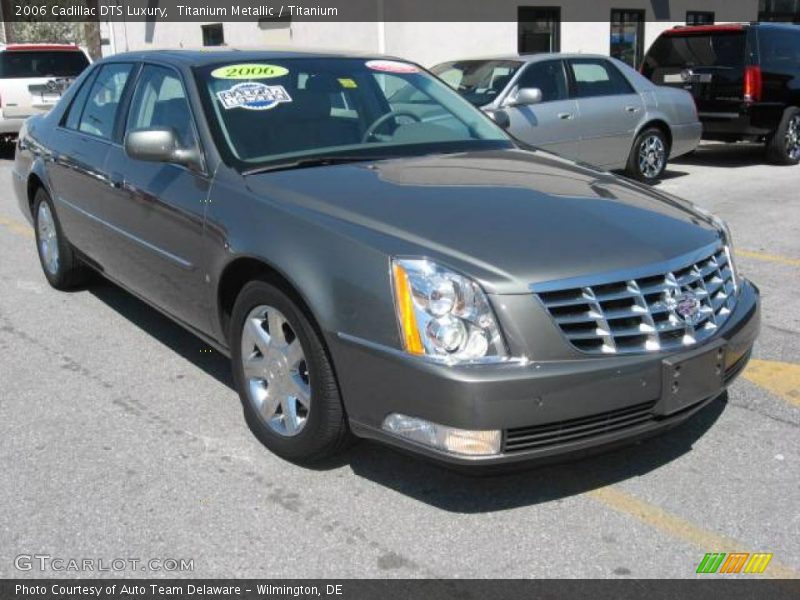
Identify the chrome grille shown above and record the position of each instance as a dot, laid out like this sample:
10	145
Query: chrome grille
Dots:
642	314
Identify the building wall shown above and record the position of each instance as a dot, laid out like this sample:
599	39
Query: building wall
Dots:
430	43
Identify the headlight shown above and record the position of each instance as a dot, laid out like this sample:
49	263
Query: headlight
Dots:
444	315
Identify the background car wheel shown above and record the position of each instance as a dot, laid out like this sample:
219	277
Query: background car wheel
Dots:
61	267
649	155
284	377
783	148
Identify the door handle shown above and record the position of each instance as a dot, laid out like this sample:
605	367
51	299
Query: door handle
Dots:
565	116
632	109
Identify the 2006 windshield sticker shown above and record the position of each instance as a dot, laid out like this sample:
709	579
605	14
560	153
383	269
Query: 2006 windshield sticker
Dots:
249	71
253	96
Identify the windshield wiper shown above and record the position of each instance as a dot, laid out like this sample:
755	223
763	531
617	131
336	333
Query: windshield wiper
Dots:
314	161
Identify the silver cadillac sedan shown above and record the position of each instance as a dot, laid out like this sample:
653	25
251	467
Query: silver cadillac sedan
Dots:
590	108
374	272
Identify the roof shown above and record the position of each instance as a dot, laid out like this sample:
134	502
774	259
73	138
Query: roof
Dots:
526	58
38	47
204	56
726	28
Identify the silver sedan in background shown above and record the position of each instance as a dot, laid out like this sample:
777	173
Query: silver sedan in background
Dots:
590	108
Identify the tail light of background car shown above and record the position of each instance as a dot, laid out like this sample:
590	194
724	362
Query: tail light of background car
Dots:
753	84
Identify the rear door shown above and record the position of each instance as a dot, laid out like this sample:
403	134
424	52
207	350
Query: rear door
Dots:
34	77
551	124
610	111
78	173
708	62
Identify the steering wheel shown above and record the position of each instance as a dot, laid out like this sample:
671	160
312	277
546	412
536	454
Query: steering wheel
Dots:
382	119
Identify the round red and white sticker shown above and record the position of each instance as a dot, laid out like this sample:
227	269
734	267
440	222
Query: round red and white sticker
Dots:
392	66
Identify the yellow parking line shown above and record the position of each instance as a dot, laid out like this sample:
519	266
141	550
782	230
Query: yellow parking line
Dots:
677	527
785	260
779	378
17	227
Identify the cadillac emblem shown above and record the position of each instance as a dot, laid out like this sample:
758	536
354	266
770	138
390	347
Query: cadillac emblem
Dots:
685	305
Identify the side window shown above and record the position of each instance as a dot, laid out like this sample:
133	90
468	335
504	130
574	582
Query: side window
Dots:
548	76
76	108
100	113
596	77
780	50
160	101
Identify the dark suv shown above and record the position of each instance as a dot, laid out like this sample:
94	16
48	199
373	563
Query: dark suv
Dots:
745	79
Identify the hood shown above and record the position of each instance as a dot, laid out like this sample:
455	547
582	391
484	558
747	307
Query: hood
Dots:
509	218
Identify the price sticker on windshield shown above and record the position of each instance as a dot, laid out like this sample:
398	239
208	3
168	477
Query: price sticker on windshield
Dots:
249	71
253	96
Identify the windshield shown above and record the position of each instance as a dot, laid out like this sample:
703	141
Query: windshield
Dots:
16	64
292	109
479	81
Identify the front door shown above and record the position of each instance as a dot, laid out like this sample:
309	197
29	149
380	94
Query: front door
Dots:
553	123
159	208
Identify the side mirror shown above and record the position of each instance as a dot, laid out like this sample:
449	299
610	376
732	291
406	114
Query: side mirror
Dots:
524	97
160	144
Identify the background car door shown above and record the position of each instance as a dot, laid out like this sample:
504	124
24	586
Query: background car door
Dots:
159	208
553	123
78	174
610	111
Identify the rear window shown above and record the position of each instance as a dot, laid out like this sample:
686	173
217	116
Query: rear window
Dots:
17	64
696	50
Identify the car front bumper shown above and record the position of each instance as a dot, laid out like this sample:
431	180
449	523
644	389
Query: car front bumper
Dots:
544	409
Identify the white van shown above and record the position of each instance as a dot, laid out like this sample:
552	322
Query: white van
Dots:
32	79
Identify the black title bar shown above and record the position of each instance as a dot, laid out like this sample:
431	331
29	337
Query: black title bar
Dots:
351	10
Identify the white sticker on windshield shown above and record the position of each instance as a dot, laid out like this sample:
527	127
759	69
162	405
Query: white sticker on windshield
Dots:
253	96
391	66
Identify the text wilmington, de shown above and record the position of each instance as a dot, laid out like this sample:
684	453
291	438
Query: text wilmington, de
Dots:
284	10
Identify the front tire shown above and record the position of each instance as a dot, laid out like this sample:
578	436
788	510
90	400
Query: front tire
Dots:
783	148
284	378
60	265
648	157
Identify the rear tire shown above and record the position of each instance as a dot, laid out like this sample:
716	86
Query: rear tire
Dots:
60	265
284	378
783	147
649	155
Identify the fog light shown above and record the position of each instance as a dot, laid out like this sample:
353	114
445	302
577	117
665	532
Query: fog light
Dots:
450	439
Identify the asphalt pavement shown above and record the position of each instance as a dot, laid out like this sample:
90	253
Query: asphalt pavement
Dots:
122	438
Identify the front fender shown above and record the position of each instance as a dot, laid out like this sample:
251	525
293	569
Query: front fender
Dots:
343	279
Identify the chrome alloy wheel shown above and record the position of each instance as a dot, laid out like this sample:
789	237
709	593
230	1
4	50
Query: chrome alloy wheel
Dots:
275	371
48	238
793	138
652	156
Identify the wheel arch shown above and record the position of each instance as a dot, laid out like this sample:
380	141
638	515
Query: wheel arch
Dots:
661	125
244	269
33	185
